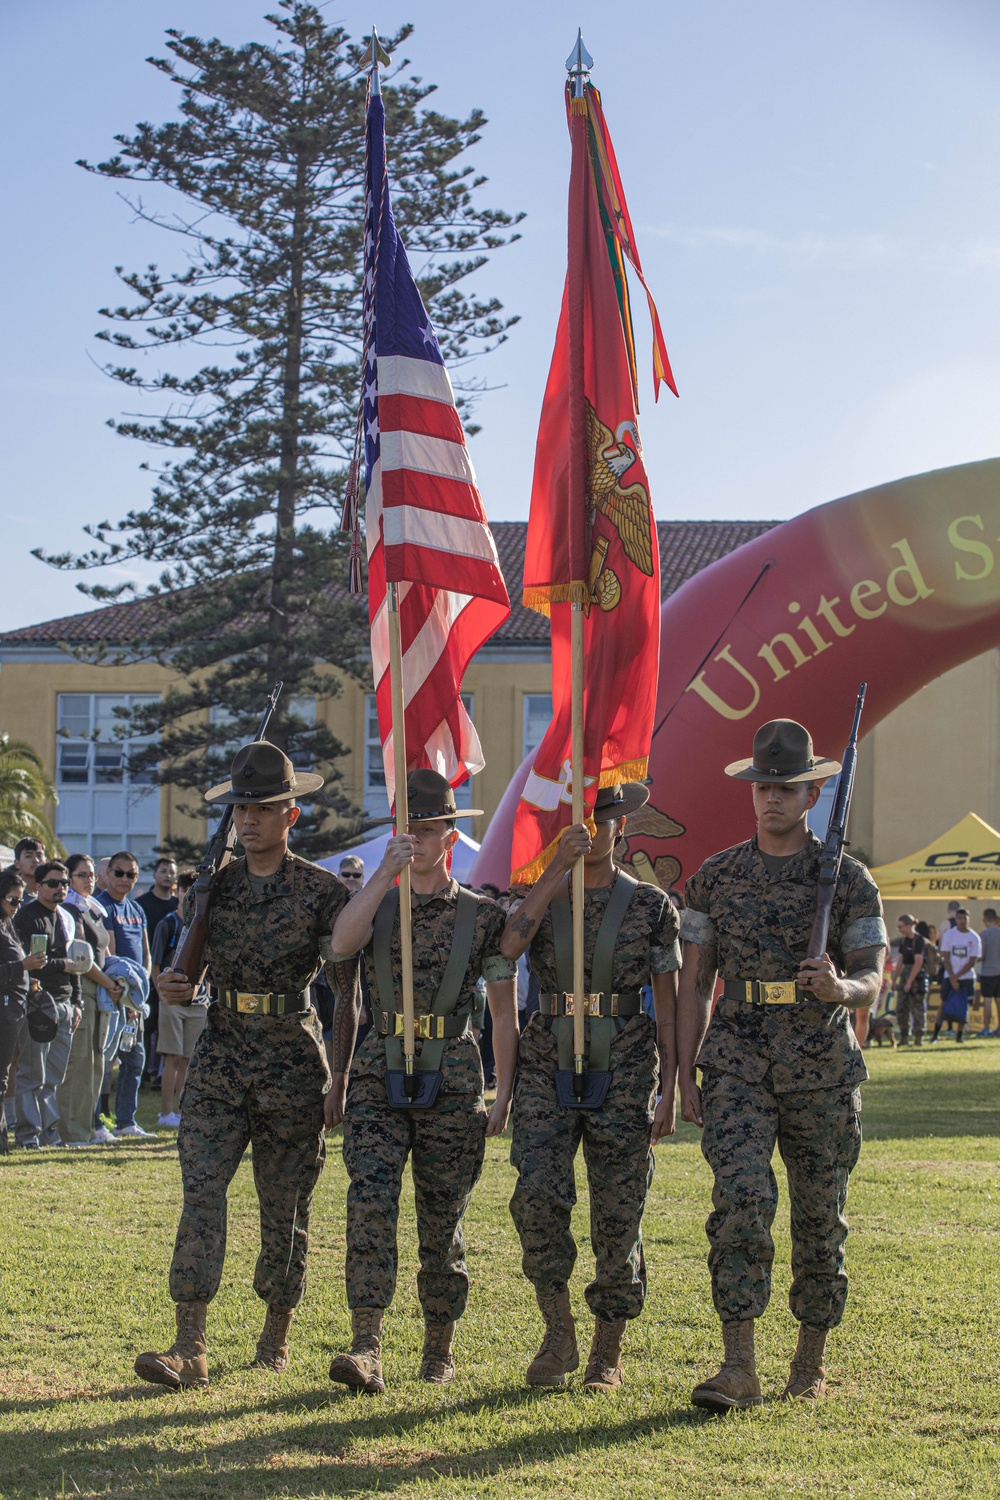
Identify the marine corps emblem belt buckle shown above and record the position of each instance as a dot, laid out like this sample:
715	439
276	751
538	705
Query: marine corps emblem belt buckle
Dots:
247	1004
781	993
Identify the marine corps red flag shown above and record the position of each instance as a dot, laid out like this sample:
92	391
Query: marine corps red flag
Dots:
591	535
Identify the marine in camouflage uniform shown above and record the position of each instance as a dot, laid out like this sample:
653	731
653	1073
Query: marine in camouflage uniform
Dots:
783	1073
617	1136
445	1144
259	1069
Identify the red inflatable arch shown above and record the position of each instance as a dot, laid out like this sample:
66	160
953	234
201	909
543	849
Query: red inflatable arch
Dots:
894	586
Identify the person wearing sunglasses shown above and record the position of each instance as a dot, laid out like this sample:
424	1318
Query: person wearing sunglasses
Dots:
15	967
127	921
41	1066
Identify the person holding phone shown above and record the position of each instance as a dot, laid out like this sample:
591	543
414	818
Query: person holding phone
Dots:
41	1066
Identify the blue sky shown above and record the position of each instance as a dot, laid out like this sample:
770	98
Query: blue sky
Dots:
814	191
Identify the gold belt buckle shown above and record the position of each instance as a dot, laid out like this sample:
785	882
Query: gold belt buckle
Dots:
247	1004
781	992
424	1027
591	1004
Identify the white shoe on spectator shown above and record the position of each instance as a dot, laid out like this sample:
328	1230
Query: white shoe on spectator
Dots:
103	1136
136	1130
172	1120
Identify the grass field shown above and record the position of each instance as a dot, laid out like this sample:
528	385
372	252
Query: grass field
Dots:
914	1408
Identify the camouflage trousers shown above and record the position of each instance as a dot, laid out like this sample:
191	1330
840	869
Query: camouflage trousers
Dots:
446	1146
619	1158
818	1132
253	1080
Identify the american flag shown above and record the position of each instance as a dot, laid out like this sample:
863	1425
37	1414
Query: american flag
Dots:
426	526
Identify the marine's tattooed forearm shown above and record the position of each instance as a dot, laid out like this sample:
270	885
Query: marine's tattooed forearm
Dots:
344	980
864	975
523	925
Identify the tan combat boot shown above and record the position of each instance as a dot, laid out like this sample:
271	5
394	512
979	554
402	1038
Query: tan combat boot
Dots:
558	1355
186	1361
736	1384
272	1346
807	1377
436	1365
361	1369
604	1367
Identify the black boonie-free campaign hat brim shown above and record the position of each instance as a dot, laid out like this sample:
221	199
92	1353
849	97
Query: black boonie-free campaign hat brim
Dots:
429	797
262	773
783	753
619	800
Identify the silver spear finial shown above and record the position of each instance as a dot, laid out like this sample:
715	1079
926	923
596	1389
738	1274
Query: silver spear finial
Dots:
379	55
578	65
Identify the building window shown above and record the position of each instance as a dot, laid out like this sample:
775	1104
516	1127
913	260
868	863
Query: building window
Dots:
376	802
537	718
102	806
220	715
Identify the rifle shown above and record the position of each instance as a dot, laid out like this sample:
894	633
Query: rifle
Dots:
836	839
192	941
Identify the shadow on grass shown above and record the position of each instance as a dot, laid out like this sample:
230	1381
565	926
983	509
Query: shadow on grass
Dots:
953	1103
325	1447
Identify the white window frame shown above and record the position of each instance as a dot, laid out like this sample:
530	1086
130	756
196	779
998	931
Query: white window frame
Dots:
528	711
100	814
374	799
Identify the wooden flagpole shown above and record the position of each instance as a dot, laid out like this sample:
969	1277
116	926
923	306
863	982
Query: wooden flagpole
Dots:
402	820
578	64
576	770
379	55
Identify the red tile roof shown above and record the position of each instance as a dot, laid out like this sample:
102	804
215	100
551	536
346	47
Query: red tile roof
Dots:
685	548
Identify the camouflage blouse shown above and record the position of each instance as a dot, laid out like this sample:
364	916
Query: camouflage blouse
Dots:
273	940
759	925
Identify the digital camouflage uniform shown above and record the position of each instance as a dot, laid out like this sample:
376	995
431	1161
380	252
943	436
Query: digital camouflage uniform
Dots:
445	1144
785	1074
257	1080
616	1138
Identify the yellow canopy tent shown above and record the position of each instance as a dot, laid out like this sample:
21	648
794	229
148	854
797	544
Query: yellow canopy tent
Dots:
965	861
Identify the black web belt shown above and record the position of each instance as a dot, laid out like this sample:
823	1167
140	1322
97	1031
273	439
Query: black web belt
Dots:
429	1028
253	1003
766	991
615	1004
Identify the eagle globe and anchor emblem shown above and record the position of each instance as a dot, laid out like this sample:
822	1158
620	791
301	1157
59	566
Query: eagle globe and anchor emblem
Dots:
626	506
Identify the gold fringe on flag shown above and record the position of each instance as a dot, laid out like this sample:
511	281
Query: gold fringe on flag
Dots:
629	770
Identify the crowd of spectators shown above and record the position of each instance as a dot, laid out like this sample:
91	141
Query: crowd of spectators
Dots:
78	998
928	967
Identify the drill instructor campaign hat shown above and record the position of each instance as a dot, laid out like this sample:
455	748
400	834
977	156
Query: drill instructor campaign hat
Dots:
430	795
619	800
783	752
263	773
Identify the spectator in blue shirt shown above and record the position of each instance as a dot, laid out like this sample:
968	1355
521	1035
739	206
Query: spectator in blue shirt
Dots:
128	921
